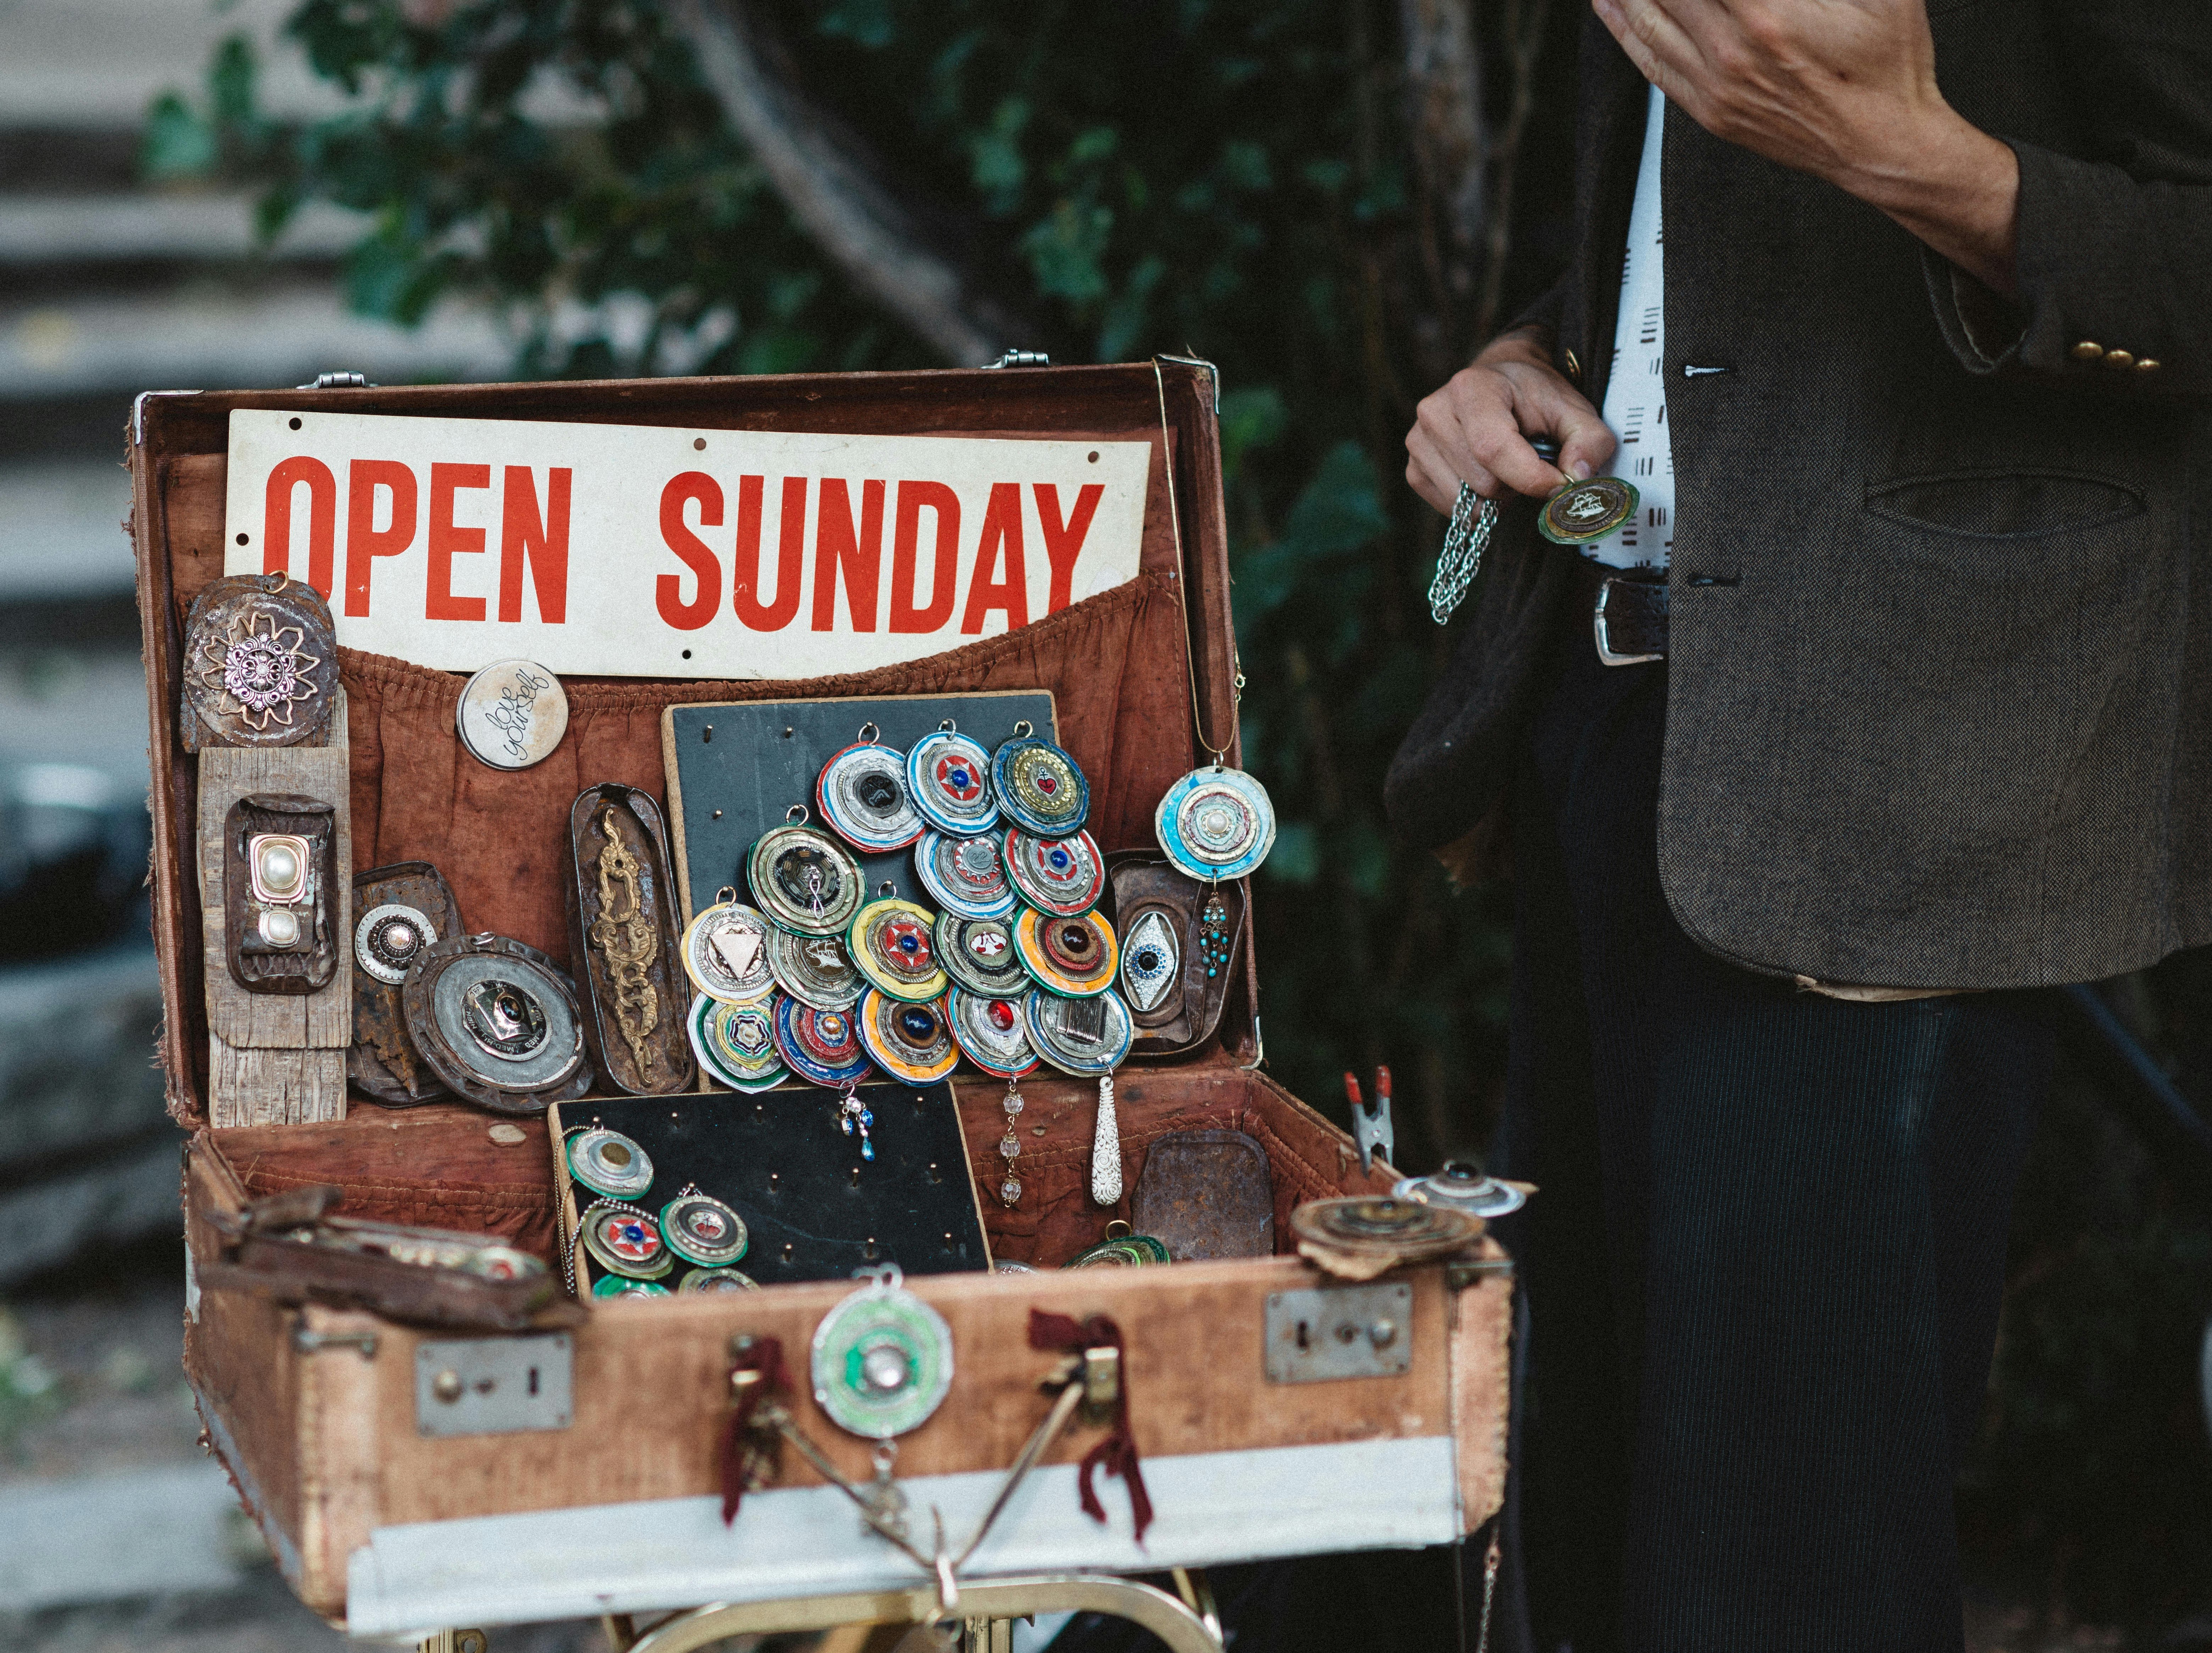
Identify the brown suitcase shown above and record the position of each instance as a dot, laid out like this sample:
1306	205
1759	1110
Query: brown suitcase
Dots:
580	1477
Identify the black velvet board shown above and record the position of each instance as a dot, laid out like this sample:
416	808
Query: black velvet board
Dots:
816	1210
765	756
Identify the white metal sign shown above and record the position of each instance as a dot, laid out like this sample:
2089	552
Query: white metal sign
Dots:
651	551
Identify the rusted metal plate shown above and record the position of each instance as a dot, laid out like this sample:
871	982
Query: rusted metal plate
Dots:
623	940
1206	1195
383	1064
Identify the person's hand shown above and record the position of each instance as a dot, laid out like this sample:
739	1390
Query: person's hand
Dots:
1476	427
1844	91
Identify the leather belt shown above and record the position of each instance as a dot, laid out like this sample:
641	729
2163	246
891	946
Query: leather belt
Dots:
1630	617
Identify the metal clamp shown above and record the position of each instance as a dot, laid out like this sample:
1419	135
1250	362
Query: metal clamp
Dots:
307	1342
1370	1126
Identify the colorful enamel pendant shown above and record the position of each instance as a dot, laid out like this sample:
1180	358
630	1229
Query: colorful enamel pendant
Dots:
881	1359
1585	511
990	1033
966	877
978	954
1040	789
725	952
626	1241
863	797
821	1046
610	1163
805	880
1072	957
736	1044
1084	1038
1129	1251
815	970
709	1281
891	944
702	1230
910	1041
1215	823
614	1285
949	777
1062	876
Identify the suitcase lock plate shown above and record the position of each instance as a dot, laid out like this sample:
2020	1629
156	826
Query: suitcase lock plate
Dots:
1318	1335
493	1385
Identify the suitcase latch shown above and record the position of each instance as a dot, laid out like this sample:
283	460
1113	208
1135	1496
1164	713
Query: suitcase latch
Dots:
1321	1334
494	1385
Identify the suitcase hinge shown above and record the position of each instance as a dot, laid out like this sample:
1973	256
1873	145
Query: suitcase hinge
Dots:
339	381
307	1342
1022	359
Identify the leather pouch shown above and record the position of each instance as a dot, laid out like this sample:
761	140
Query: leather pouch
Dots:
624	942
1181	943
382	1063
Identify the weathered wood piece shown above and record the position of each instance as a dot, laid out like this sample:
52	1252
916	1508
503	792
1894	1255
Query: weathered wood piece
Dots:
250	1085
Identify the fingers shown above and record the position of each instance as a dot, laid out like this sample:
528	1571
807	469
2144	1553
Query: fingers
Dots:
1476	429
1586	442
1664	52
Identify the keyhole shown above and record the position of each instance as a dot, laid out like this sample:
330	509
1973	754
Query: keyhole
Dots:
534	1380
1306	1335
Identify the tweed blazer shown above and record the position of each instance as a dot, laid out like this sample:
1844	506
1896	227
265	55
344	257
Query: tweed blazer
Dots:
1939	673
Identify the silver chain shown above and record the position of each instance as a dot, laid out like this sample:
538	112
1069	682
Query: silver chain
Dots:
1471	519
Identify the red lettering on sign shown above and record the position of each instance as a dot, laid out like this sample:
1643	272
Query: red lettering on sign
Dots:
365	541
541	541
1063	543
446	542
1002	531
914	498
322	519
860	555
667	591
791	549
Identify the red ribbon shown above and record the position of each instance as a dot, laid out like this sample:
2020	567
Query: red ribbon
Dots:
766	1358
1117	1453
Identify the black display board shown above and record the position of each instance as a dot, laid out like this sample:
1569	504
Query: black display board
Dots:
816	1210
728	787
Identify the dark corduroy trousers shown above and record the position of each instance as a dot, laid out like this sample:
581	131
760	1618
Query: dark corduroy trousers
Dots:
1763	1273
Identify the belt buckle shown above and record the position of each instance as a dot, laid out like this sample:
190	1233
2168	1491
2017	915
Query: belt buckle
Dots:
1607	654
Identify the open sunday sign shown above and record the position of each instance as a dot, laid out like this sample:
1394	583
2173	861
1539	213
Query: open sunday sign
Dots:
649	551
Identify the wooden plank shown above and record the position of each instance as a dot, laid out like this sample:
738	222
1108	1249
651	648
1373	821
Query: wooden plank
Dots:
263	1087
1481	1387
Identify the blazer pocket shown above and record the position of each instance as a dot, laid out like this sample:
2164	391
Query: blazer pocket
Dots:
2003	504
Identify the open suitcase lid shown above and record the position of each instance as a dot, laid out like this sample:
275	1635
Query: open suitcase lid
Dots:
1121	666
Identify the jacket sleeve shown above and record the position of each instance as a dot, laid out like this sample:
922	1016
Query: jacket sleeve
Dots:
2114	254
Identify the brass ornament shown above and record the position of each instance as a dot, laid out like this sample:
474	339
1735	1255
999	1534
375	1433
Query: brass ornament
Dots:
629	940
260	662
1582	512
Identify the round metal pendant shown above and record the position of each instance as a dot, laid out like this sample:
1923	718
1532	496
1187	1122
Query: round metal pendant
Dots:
966	877
497	1022
815	970
736	1044
990	1033
910	1041
1462	1186
625	1244
1584	511
882	1361
702	1230
805	880
607	1162
512	715
978	954
1065	876
1081	1037
1074	957
389	938
726	952
949	777
1040	789
892	944
260	660
1375	1225
1130	1251
1215	823
709	1281
822	1046
614	1285
863	797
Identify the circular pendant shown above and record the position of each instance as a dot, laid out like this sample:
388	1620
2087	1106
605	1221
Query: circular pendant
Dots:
1462	1186
966	877
260	660
822	1046
990	1034
815	970
389	938
1065	876
512	715
497	1022
708	1281
978	954
1081	1037
908	1041
726	952
882	1361
626	1244
1040	789
607	1162
863	795
1130	1251
1215	823
1375	1225
702	1230
805	880
949	778
736	1044
1074	957
1584	511
614	1285
892	945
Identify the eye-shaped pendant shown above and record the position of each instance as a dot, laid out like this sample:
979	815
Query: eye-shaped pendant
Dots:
1152	959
